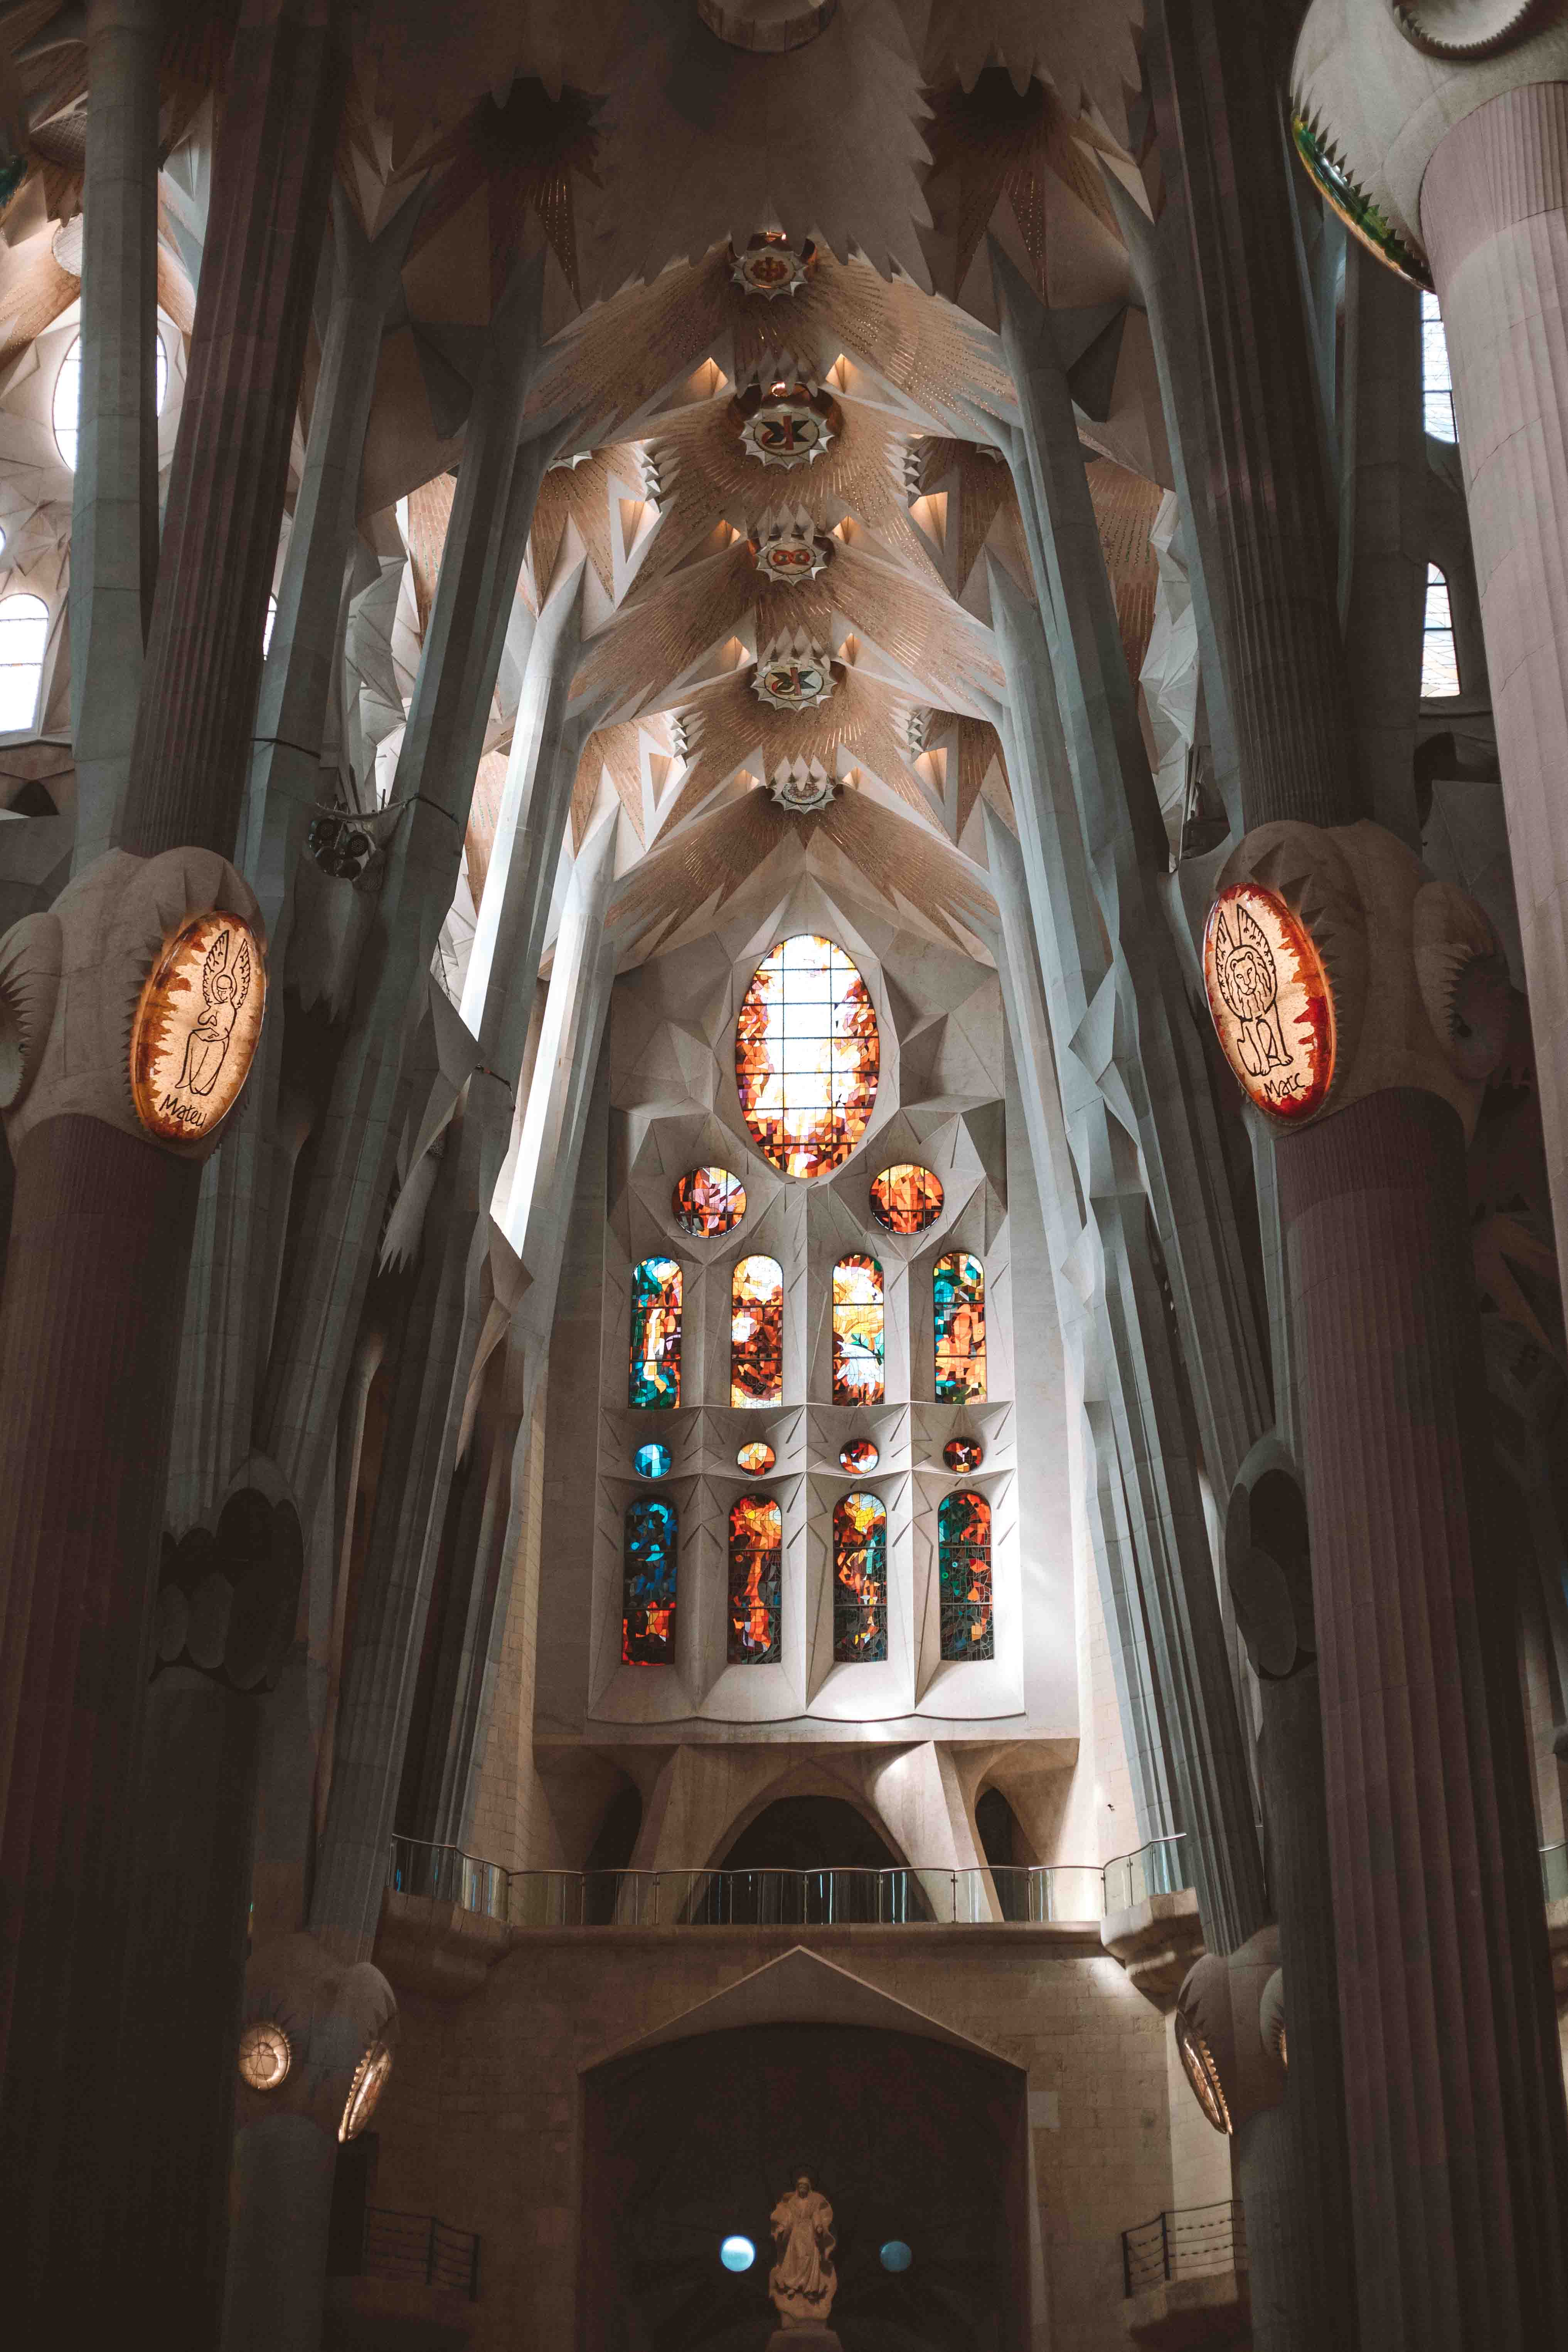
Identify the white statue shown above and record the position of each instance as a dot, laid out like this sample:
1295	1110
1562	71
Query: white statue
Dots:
803	2282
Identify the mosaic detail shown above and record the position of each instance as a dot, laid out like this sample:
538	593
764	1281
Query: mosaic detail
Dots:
789	547
709	1201
906	1199
958	1297
859	1331
756	1332
647	1582
756	1459
793	673
963	1576
756	1576
655	1373
962	1454
1270	1001
808	1056
859	1456
786	424
652	1461
860	1579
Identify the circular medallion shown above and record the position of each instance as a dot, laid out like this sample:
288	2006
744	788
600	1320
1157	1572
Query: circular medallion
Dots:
365	2090
652	1461
196	1023
770	264
785	424
709	1201
756	1459
790	549
859	1456
1270	998
802	786
906	1199
265	2056
795	683
962	1454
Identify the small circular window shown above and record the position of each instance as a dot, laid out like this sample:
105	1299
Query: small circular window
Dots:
906	1199
652	1461
756	1459
709	1201
859	1456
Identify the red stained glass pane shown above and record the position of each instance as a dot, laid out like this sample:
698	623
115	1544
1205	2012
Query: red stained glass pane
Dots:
906	1199
756	1332
860	1579
756	1576
709	1201
808	1056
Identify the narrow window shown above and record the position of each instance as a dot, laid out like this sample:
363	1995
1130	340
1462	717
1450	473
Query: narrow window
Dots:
756	1332
647	1582
964	1573
1437	382
958	1297
24	634
860	1579
655	1333
1439	656
756	1576
858	1331
65	408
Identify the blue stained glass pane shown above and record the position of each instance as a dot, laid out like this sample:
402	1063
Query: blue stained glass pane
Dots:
958	1297
896	2255
737	2253
652	1461
647	1582
963	1576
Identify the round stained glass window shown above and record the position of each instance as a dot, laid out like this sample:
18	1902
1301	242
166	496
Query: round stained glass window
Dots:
807	1055
756	1459
906	1199
962	1454
896	2255
737	2253
858	1455
651	1460
709	1201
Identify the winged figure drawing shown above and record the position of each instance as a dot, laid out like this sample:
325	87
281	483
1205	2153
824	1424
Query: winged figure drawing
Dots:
226	984
1250	983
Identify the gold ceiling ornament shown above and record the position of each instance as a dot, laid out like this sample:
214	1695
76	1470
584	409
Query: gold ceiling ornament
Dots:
365	2090
786	424
196	1028
788	548
266	2055
793	673
771	266
802	785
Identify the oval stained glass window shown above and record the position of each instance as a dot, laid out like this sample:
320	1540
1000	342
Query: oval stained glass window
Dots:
859	1456
652	1461
962	1454
756	1459
709	1201
808	1056
906	1199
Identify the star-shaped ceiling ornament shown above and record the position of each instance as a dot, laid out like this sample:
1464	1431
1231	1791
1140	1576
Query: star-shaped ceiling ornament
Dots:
793	674
770	266
788	548
802	785
785	424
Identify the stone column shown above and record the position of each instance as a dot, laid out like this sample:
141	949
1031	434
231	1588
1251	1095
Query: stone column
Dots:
88	1335
114	498
1494	212
1459	2148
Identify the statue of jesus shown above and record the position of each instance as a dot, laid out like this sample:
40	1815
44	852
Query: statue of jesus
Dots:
803	2282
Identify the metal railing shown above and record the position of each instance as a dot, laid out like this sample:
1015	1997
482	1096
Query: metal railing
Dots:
1195	2243
419	2248
744	1898
1154	1869
1554	1873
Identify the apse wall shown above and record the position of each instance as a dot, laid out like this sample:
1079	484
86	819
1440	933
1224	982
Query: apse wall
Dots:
944	1099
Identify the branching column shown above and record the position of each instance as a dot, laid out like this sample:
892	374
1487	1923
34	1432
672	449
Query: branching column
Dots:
90	1331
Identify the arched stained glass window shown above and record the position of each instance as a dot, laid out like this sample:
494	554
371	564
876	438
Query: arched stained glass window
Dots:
756	1576
808	1056
963	1574
860	1579
958	1297
858	1331
756	1332
24	635
648	1582
655	1370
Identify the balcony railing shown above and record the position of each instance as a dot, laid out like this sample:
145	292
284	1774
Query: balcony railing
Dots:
1554	1873
744	1898
1155	1869
1195	2243
416	2248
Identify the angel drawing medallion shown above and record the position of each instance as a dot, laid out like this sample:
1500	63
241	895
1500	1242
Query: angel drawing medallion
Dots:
196	1024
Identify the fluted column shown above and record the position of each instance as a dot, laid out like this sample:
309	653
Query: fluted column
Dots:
89	1329
1458	2158
114	497
1494	212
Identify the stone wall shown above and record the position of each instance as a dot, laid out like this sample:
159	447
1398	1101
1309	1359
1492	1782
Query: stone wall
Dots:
482	2123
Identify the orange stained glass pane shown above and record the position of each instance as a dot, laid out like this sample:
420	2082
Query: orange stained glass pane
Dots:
808	1056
